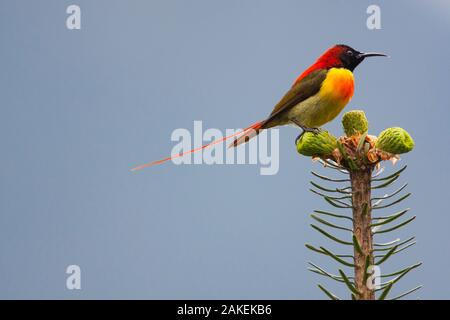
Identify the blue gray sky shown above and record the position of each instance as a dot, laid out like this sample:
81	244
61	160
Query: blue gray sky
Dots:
79	108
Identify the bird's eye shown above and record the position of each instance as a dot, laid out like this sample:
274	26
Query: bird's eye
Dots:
350	53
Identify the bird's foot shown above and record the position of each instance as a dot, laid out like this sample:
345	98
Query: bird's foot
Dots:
313	130
305	129
299	137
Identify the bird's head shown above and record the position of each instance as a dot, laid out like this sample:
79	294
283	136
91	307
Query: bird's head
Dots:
343	56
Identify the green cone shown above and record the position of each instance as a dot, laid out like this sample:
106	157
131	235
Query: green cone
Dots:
320	144
355	122
395	140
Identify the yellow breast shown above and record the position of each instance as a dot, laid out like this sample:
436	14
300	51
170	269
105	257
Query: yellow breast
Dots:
338	86
334	94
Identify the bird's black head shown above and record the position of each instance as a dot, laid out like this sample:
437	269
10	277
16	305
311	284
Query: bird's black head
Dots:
351	58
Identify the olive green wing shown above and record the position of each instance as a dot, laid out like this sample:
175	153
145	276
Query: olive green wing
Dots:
305	88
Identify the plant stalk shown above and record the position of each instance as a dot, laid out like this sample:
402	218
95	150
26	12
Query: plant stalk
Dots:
362	219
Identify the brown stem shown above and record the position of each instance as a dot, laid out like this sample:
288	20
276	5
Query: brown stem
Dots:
362	209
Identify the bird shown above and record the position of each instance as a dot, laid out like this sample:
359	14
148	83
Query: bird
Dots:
315	98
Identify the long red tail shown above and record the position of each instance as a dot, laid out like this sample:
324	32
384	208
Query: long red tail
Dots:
247	134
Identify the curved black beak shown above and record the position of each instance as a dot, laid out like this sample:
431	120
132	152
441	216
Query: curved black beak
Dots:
363	55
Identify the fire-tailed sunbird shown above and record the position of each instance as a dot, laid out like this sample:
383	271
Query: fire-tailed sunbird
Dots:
317	96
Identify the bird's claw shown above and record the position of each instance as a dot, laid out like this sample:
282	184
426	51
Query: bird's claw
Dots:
305	129
298	137
313	130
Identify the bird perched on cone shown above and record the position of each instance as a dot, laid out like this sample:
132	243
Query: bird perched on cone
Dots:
317	96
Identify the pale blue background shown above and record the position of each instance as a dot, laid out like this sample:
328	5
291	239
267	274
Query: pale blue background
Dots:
79	108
